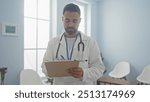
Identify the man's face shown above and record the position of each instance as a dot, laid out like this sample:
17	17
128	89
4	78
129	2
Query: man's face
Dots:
71	21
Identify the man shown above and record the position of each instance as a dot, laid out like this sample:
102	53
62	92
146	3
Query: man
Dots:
73	45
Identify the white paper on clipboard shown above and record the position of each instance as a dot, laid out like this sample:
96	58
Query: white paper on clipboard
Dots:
60	68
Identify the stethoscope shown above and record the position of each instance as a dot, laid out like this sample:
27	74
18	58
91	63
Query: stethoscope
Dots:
80	44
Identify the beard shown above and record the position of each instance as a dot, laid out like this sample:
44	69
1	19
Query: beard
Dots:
71	30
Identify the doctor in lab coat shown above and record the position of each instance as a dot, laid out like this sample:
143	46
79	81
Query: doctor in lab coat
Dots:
68	46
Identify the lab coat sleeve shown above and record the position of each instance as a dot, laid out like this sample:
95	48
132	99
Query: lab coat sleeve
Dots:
95	65
48	56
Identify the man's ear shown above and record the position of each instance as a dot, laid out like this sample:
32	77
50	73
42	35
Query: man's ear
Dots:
79	20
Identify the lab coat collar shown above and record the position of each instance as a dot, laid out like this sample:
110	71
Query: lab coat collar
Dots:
63	42
84	39
62	50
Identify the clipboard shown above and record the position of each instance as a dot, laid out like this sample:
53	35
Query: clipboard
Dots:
60	68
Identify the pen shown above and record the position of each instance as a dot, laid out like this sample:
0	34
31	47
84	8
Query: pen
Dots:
62	57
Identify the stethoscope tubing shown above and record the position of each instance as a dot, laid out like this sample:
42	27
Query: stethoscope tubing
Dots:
79	45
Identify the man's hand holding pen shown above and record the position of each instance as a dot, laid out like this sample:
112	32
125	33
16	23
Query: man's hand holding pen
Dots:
76	72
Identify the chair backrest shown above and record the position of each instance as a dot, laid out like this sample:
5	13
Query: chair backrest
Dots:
144	77
29	77
120	70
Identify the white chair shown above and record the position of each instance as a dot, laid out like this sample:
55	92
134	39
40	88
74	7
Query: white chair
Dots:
30	77
144	77
121	70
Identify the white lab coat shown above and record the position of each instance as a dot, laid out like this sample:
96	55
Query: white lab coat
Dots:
91	62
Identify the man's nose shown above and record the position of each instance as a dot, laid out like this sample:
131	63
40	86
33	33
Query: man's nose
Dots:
70	24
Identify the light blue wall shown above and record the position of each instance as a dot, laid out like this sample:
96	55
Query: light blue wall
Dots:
11	48
124	33
95	21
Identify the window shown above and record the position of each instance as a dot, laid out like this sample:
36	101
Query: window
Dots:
85	18
36	32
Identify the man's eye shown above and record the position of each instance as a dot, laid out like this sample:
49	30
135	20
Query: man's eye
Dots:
75	21
67	21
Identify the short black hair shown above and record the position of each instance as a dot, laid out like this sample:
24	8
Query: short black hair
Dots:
71	8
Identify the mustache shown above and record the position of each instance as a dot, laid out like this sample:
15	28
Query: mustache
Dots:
70	30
